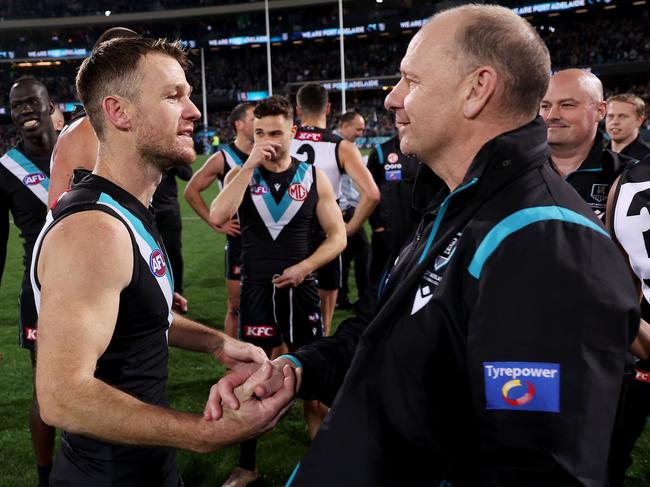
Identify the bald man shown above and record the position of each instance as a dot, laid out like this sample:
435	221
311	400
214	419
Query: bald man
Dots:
473	368
572	109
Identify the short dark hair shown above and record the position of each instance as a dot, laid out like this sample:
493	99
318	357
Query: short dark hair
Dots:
28	78
274	105
111	69
312	98
348	117
238	113
114	33
496	36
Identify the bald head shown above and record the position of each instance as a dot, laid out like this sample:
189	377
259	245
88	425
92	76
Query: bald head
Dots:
572	108
579	80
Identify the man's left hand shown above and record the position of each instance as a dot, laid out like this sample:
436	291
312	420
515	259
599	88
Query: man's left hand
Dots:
292	276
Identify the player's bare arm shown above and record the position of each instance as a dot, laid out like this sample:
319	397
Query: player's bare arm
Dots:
331	221
352	164
77	331
201	180
190	335
227	202
75	148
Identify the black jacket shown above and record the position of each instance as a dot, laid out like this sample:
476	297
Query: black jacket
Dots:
495	353
637	149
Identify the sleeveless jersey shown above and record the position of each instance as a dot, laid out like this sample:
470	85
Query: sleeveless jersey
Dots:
135	360
233	157
319	147
24	182
277	217
631	220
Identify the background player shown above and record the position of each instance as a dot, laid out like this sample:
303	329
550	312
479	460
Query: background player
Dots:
24	180
77	144
625	115
216	168
279	200
314	144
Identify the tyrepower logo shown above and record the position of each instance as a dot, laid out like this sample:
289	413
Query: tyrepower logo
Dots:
313	136
523	386
259	331
157	263
297	192
34	178
30	334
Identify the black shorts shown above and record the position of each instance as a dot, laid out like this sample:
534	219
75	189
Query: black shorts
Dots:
329	276
269	316
28	316
232	259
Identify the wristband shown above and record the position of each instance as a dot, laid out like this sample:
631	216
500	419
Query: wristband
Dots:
293	360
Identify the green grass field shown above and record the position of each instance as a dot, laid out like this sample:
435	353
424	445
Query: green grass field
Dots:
191	375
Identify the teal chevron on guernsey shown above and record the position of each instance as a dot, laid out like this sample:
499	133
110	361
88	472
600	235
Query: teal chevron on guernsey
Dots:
27	172
233	155
293	475
141	232
441	214
519	220
277	209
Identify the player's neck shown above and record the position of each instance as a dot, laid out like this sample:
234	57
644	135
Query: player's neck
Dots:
279	165
622	144
40	145
319	121
244	144
129	172
569	159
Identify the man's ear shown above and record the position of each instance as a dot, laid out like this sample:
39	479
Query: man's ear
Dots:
115	111
477	89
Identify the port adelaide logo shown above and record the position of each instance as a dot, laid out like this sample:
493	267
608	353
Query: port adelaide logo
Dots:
433	276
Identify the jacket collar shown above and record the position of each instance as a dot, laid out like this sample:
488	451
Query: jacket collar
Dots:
497	162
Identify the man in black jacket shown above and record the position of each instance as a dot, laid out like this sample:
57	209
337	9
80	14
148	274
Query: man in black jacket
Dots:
494	354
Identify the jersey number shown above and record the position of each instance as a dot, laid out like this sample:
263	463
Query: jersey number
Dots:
309	150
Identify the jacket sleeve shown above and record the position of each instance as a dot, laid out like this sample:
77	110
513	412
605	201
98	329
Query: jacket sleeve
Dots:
326	360
552	314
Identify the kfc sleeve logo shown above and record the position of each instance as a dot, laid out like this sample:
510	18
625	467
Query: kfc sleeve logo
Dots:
30	334
259	331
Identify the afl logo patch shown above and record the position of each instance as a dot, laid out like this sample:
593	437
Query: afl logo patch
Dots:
259	189
34	178
297	192
157	263
393	158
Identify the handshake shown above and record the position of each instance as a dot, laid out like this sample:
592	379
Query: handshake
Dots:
254	397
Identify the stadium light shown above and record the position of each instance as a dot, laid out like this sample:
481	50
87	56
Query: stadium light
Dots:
107	13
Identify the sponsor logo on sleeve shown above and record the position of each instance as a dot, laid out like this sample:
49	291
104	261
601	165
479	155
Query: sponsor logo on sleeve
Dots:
522	386
34	179
259	331
30	334
157	263
642	375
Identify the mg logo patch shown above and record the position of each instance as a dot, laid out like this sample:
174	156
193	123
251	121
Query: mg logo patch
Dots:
523	386
297	192
157	263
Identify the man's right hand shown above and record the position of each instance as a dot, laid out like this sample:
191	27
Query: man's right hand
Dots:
262	151
231	228
262	381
